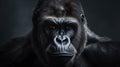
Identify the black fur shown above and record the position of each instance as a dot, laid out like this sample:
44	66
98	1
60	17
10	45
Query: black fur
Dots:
92	50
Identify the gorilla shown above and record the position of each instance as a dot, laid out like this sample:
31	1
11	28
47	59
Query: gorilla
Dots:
60	38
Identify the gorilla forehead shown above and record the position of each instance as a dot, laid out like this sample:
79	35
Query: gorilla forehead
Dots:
61	19
59	8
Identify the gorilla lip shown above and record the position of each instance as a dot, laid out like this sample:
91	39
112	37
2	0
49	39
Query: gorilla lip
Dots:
61	54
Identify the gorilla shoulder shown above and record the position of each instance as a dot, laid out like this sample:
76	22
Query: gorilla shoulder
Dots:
16	51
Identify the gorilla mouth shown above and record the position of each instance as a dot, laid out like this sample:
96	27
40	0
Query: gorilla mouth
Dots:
61	51
61	58
61	54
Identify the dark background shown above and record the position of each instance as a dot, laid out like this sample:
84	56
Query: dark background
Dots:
15	17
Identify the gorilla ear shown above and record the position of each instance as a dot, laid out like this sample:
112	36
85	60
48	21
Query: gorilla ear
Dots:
83	18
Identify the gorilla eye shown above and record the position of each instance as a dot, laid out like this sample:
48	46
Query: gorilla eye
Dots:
52	27
68	27
49	25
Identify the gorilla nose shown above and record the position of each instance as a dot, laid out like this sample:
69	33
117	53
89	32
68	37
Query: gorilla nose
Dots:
62	40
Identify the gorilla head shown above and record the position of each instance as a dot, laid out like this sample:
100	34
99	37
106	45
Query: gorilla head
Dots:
58	31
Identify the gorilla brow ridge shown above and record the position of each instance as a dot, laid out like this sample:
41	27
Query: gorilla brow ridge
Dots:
61	19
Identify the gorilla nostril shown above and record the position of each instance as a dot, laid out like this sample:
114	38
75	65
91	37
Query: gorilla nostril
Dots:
65	39
61	40
58	40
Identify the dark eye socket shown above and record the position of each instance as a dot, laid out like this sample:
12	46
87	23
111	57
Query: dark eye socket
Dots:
68	27
71	26
52	27
49	25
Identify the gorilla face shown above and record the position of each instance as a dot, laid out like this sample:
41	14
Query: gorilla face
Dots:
60	31
59	34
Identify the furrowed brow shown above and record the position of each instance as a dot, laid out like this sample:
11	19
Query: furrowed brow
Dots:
60	19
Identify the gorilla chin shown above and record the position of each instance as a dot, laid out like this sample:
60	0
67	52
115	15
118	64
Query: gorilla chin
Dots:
60	57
